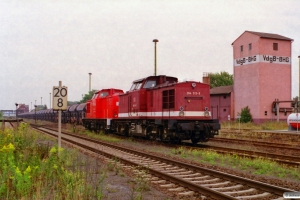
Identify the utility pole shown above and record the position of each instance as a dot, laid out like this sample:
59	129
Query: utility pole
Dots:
90	81
155	68
298	86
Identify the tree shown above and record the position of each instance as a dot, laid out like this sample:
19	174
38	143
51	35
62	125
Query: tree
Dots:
88	96
41	107
1	115
70	103
245	115
220	79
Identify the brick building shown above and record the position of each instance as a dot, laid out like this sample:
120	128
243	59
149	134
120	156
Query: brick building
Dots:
221	102
262	73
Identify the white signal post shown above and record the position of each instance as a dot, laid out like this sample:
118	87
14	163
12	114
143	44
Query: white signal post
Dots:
60	102
239	117
229	120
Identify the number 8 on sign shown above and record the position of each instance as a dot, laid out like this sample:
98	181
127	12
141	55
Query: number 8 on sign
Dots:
60	98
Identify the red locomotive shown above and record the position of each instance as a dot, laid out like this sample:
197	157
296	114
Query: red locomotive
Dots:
101	109
156	107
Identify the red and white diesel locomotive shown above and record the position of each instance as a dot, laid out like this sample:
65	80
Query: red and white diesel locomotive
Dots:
155	107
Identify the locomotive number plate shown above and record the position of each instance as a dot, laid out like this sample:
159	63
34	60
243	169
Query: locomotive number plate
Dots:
193	93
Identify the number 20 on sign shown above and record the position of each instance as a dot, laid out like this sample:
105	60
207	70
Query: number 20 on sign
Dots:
60	98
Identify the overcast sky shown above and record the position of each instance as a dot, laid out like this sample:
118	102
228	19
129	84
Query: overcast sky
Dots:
43	42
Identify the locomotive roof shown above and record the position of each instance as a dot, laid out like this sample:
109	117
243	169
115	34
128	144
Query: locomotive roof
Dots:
107	89
140	80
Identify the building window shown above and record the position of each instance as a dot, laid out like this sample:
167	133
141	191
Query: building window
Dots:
250	46
275	46
241	48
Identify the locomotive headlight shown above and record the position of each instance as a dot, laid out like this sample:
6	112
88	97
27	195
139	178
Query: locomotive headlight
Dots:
181	114
206	114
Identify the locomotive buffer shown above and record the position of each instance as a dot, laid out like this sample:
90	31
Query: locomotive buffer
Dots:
60	102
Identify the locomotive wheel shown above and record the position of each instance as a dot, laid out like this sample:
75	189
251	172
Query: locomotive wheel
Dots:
206	134
97	129
119	129
176	140
163	133
126	130
150	135
122	129
194	140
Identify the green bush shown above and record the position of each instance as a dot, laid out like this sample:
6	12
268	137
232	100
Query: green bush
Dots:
245	115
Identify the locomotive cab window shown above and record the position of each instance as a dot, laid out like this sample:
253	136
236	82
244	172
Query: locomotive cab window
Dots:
136	86
132	87
150	84
103	94
95	95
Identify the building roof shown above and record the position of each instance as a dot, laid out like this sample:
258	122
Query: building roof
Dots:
221	90
267	35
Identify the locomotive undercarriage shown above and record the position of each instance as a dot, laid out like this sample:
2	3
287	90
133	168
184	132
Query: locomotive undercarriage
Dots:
164	130
167	130
96	125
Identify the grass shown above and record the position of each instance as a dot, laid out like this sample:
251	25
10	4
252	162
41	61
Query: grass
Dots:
254	166
102	136
268	125
31	168
31	171
256	132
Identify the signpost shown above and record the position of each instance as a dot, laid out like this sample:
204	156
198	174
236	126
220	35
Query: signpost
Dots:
60	102
297	121
229	120
239	117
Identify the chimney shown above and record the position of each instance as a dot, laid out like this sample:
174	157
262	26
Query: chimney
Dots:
206	78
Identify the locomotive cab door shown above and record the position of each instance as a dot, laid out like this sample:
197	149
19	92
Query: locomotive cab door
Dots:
168	103
129	105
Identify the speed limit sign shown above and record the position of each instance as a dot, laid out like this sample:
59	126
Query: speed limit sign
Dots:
60	98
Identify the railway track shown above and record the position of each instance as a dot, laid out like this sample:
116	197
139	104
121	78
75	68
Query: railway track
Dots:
235	130
178	177
10	123
256	143
280	158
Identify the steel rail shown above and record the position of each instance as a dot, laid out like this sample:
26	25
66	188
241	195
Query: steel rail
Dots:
289	160
256	143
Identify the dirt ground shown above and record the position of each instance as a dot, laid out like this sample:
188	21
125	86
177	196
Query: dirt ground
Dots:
111	181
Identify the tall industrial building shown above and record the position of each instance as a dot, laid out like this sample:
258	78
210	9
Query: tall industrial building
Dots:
262	73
